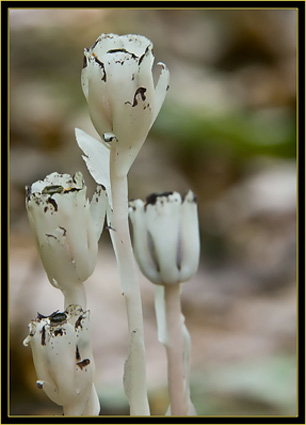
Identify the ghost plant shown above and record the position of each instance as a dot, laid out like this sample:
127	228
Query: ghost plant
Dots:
67	228
123	102
63	360
166	236
167	247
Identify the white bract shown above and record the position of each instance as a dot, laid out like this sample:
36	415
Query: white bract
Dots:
97	159
123	101
166	236
63	359
67	228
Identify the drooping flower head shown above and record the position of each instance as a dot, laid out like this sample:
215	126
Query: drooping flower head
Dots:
63	359
66	226
123	101
166	236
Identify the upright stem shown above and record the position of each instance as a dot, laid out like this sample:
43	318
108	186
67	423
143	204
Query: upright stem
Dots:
75	295
175	349
135	368
88	405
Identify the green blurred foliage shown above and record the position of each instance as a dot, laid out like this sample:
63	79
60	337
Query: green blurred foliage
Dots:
241	134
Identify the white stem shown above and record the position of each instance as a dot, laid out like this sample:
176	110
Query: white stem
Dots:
75	295
135	368
72	410
92	407
79	408
175	350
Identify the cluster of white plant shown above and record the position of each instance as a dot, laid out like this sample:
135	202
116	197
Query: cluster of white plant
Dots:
123	103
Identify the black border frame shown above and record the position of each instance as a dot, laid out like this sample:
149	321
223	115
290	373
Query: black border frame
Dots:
300	6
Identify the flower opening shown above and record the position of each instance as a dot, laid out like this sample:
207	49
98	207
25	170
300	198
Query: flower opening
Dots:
118	85
63	359
166	236
66	226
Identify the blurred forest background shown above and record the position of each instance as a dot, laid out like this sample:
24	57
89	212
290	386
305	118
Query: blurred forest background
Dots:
227	131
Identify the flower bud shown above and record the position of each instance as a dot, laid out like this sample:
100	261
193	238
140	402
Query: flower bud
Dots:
123	102
63	359
66	227
166	236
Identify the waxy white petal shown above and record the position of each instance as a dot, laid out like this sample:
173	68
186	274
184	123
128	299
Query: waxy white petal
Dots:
63	360
190	237
98	208
97	159
118	84
66	231
161	88
163	223
146	260
166	237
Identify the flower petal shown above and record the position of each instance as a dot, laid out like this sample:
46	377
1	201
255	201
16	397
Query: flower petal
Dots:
98	208
163	223
63	360
118	84
60	218
95	89
161	88
142	251
97	159
190	237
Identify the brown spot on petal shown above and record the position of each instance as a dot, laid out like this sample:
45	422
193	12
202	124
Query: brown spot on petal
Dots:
43	336
57	318
53	203
83	363
28	192
143	55
71	189
140	91
77	353
78	323
63	229
123	51
95	43
179	251
151	199
101	64
40	316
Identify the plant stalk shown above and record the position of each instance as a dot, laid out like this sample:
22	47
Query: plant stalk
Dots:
75	295
175	350
135	367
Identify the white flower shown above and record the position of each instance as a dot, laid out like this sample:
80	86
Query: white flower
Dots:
123	102
63	359
66	227
166	236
